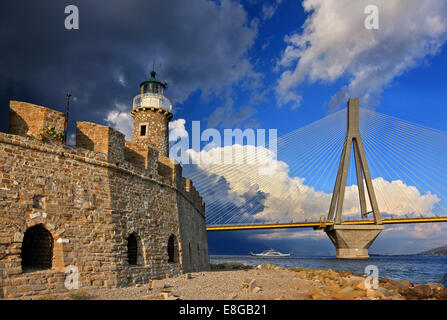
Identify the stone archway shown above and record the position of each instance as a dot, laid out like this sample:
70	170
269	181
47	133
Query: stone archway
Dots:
132	249
37	248
173	255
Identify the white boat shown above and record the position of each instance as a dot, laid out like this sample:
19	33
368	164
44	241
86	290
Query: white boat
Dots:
270	254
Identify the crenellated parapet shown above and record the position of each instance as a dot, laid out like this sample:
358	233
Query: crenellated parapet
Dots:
193	194
27	120
141	156
101	139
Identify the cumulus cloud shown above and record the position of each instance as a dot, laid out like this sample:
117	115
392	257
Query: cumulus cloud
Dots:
177	130
294	235
120	119
287	198
334	44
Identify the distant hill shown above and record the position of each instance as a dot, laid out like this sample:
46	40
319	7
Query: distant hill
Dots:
441	251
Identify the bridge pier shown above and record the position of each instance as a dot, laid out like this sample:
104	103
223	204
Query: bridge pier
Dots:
353	241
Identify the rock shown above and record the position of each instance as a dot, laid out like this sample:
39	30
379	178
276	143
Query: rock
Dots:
313	290
383	293
371	293
392	285
256	290
435	287
361	285
405	283
157	284
249	285
346	282
259	266
356	279
441	294
165	294
318	296
423	291
332	289
397	297
408	293
188	276
346	290
348	293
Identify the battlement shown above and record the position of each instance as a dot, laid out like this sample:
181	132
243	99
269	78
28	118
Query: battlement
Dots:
194	195
141	156
101	139
173	171
29	119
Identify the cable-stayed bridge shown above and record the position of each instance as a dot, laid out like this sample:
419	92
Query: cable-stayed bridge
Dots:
349	173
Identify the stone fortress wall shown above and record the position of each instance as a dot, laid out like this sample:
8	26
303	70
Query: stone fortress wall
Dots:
114	209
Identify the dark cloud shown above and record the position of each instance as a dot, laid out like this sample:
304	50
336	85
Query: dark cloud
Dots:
196	45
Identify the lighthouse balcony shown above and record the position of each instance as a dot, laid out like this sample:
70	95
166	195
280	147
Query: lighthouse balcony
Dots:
152	100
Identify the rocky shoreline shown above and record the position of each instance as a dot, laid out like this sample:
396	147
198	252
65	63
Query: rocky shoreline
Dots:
264	282
344	285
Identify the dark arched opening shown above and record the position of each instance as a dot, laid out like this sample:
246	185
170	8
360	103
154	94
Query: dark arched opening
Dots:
37	248
172	249
132	249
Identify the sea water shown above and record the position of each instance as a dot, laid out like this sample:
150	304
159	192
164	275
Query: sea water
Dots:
416	269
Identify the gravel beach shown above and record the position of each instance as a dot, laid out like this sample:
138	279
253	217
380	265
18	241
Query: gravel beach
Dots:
264	282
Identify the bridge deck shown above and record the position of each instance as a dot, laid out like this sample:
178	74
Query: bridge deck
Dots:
318	224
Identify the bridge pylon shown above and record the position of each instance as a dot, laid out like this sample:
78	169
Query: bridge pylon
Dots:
353	241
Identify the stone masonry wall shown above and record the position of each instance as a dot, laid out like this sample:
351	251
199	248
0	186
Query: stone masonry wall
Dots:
157	131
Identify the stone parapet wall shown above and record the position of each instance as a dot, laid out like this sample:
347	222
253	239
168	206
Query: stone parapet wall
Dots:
29	119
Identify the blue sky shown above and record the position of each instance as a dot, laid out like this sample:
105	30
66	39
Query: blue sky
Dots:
251	64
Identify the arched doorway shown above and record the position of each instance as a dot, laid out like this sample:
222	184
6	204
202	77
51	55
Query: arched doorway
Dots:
37	248
172	249
132	249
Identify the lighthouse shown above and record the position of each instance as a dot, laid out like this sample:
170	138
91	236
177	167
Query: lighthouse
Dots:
152	111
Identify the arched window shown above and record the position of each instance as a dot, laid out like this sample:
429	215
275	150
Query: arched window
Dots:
37	248
198	254
132	249
172	249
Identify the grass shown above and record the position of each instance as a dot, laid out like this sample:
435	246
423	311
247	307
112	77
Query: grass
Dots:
78	295
230	266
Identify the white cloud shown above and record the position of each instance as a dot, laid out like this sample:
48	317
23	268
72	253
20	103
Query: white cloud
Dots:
289	198
432	231
282	235
71	141
177	130
334	44
268	10
120	119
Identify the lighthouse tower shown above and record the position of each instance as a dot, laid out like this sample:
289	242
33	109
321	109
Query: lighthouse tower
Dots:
152	112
